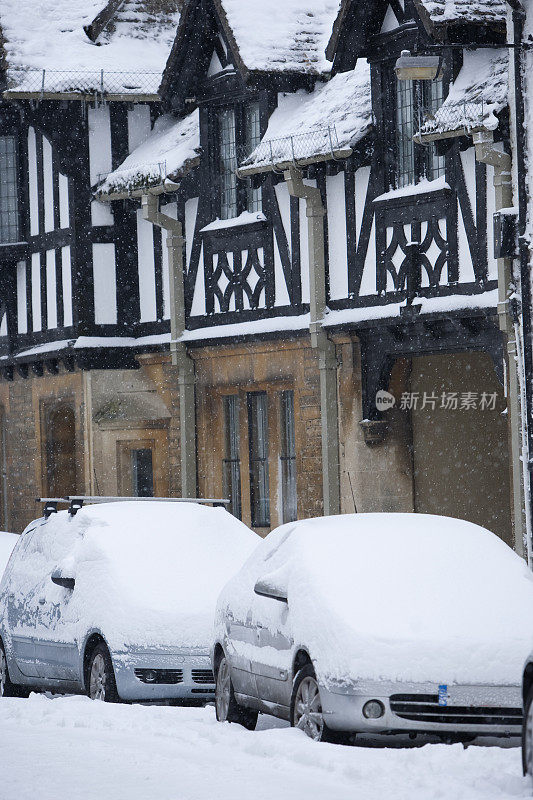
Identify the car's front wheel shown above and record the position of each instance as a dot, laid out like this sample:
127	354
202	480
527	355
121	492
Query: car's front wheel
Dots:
8	689
101	683
306	705
527	736
227	708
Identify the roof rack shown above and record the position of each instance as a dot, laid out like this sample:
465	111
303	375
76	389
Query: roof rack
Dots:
75	502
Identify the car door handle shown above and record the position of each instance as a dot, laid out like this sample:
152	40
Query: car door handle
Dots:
42	601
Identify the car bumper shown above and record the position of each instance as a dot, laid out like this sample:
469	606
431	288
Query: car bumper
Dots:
428	708
154	675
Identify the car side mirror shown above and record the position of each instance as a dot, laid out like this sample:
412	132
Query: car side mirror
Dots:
57	578
265	587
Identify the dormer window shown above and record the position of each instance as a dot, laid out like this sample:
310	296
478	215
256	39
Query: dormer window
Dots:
9	200
238	133
413	100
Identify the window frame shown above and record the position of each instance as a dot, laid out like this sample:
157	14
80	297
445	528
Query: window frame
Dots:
243	188
259	506
231	458
20	137
287	457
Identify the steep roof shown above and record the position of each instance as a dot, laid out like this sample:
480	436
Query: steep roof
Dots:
171	150
479	92
313	126
453	12
279	38
281	35
54	35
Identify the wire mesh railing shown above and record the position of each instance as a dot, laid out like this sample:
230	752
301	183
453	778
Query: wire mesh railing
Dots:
298	148
99	82
451	117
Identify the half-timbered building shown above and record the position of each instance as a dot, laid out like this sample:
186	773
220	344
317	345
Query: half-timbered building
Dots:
311	237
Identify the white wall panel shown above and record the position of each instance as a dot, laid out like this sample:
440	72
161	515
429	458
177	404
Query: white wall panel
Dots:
338	257
146	265
22	298
48	186
99	159
51	289
138	125
66	277
36	291
64	213
105	285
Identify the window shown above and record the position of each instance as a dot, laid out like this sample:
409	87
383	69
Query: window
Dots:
252	137
142	474
239	132
231	463
9	204
288	457
258	442
228	164
413	100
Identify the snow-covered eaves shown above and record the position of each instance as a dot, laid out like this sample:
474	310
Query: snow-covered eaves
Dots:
324	124
86	47
478	94
169	153
446	13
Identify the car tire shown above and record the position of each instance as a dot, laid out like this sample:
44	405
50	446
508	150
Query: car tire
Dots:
226	706
7	688
101	684
527	736
306	706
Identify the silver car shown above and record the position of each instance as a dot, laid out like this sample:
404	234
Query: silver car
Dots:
376	623
118	601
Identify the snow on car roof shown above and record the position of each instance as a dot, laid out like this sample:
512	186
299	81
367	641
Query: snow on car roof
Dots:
146	573
409	597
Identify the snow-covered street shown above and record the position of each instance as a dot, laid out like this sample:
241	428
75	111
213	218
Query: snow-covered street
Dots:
95	750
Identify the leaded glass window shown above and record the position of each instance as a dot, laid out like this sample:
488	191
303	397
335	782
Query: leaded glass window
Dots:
288	457
9	200
405	154
228	163
231	463
252	139
258	443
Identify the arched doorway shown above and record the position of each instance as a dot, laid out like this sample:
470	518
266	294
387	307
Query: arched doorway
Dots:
60	425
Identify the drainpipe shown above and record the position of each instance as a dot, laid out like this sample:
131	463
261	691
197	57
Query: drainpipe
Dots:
487	153
178	349
327	360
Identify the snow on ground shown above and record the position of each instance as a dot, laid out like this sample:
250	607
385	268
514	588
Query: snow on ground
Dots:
91	750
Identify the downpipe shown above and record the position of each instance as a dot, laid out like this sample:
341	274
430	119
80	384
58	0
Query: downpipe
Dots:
327	359
178	348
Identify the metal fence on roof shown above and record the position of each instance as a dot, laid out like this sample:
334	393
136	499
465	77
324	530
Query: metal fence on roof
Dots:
467	116
46	82
296	148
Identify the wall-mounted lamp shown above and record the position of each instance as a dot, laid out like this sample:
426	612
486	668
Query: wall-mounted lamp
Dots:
418	68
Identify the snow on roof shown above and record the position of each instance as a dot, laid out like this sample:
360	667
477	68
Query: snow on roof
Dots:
445	12
170	152
51	35
281	35
311	126
479	92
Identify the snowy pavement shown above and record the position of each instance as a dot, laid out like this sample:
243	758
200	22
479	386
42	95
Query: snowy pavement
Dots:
91	751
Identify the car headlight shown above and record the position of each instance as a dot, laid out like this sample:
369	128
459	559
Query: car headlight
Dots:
373	709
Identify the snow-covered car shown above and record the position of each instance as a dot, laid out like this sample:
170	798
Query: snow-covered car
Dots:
118	601
380	623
